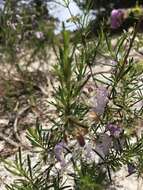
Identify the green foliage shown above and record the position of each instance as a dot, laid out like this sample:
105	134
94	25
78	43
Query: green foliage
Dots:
88	178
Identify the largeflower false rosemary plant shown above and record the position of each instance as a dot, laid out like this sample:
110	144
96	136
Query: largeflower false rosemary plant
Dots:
88	151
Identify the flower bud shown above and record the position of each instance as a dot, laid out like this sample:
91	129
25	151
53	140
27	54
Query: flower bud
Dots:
117	17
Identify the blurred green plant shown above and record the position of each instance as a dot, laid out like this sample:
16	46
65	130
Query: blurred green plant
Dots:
25	28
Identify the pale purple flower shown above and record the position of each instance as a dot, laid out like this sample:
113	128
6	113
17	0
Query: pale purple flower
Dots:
58	150
131	168
114	130
39	35
101	100
113	63
117	17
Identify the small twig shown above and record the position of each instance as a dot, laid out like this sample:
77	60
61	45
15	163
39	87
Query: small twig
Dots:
131	42
90	68
16	122
8	140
